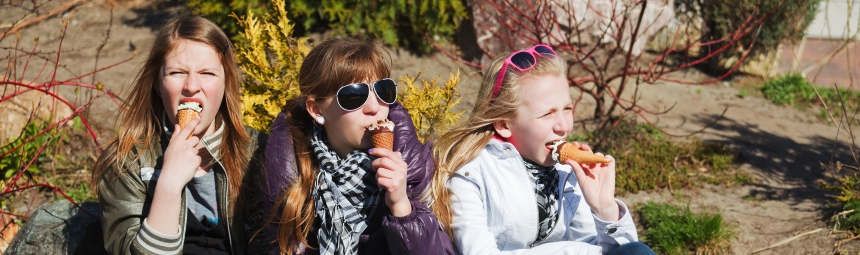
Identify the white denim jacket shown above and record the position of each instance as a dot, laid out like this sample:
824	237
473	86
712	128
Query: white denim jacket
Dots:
495	211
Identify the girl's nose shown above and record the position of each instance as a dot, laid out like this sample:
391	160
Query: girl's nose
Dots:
563	123
192	83
372	105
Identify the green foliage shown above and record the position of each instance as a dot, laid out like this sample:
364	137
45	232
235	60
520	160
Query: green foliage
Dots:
670	229
81	193
218	11
795	90
430	104
397	22
270	58
785	21
848	188
17	159
647	160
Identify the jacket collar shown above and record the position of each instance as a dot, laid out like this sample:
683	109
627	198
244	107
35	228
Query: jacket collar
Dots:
501	149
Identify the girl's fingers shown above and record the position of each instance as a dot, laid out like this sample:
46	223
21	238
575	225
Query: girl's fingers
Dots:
189	128
388	173
175	127
585	147
389	164
387	183
380	152
611	160
582	146
396	156
577	169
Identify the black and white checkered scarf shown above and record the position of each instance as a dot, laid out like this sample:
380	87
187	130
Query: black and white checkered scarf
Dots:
345	196
546	194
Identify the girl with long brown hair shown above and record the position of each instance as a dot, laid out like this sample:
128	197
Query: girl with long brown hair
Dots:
331	189
166	189
498	189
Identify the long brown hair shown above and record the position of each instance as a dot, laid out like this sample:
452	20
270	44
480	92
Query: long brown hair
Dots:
140	120
463	143
326	68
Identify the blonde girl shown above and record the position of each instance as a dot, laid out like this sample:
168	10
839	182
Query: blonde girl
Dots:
498	190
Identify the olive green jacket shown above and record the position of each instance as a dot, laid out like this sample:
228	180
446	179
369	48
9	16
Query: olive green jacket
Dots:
125	201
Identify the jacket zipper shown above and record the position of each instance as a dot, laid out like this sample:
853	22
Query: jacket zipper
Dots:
226	198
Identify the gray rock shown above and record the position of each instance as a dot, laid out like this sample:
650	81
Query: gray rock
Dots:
60	228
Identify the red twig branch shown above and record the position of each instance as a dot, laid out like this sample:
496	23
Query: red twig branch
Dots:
53	188
16	215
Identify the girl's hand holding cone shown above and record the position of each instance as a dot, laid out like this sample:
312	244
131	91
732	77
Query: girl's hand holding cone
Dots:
391	176
598	185
181	158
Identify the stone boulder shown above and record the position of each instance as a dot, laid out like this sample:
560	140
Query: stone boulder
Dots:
60	228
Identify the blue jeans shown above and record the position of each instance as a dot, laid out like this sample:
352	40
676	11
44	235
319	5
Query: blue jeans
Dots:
634	248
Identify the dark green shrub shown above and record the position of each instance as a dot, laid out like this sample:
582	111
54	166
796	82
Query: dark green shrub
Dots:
401	23
219	11
397	22
784	21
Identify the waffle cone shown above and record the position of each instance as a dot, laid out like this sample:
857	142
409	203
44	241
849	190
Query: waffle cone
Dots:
568	151
184	116
383	140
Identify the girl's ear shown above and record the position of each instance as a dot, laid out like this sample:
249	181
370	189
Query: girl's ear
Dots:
311	106
502	129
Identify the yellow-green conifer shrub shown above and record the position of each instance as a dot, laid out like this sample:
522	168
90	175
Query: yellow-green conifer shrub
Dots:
270	58
430	103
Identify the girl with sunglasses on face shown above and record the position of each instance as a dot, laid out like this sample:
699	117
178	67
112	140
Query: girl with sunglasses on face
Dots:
498	189
329	190
166	189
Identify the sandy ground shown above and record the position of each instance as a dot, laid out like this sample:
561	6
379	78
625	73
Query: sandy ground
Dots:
782	146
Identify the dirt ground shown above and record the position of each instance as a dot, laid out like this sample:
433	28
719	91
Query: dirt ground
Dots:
782	146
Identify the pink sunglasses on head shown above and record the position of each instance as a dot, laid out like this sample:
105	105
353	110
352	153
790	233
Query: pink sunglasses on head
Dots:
523	60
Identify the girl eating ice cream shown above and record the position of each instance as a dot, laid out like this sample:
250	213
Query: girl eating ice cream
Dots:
180	175
499	190
331	189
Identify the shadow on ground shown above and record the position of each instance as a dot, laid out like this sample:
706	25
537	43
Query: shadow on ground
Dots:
789	171
153	14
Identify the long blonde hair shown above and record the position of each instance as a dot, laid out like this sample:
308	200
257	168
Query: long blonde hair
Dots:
463	143
140	120
326	68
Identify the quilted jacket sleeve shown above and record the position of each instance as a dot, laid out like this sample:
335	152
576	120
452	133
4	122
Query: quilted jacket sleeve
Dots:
418	232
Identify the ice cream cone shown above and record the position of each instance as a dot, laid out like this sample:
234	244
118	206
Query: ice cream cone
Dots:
382	134
383	140
184	116
565	151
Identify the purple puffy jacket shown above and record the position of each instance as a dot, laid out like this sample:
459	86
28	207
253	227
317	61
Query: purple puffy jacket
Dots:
417	233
